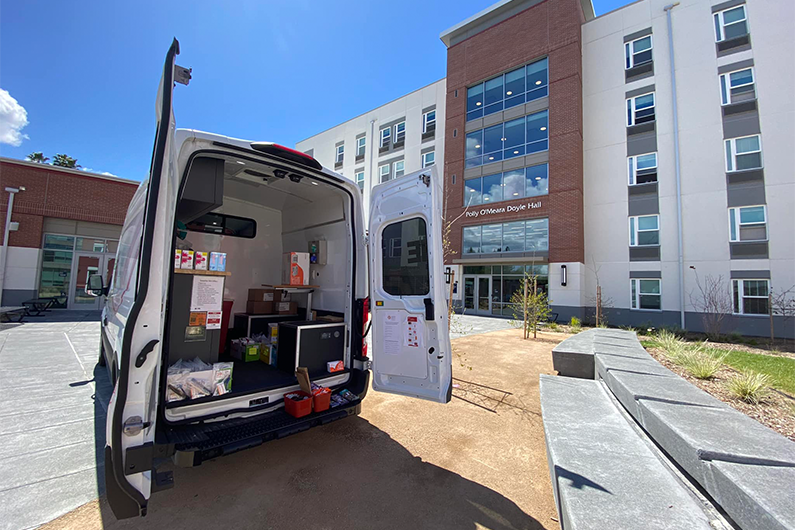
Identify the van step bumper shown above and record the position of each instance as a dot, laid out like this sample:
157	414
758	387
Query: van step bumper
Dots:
211	440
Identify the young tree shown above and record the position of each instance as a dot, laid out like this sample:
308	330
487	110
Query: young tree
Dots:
782	304
65	161
532	308
38	157
712	298
598	300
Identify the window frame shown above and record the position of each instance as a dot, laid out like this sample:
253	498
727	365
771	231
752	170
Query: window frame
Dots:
632	168
726	88
389	250
730	150
720	25
501	245
632	109
397	136
736	223
426	121
738	296
629	52
339	154
359	182
395	170
635	231
500	153
481	105
361	145
385	136
424	161
524	195
381	173
635	294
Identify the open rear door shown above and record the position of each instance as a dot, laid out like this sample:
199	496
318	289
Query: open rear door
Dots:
411	340
129	454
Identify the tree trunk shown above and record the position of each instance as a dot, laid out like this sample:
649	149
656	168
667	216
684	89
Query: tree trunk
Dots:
770	310
535	308
524	323
450	308
598	304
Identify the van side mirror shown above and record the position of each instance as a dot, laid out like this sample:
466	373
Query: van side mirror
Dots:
94	286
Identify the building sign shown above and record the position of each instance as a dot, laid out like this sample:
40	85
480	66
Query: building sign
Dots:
504	209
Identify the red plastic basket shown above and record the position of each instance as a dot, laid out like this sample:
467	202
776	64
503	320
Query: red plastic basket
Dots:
298	409
322	399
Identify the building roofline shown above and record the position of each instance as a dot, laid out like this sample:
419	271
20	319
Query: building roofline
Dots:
371	110
71	171
494	14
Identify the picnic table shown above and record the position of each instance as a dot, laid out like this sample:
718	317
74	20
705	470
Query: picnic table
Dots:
37	306
13	313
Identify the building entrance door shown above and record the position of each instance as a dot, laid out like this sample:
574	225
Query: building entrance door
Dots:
84	265
477	294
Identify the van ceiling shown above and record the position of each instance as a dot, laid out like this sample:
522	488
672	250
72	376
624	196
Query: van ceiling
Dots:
256	183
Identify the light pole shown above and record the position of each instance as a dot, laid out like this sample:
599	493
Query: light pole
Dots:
4	257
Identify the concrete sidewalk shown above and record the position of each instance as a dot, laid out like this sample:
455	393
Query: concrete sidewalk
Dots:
52	432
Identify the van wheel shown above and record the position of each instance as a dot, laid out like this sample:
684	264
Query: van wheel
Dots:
101	361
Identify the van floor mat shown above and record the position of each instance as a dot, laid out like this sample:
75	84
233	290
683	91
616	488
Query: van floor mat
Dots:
266	427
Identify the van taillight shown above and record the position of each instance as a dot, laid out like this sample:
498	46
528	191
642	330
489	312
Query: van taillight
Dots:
365	320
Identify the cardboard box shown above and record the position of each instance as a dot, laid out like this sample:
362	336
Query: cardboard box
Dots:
286	308
296	268
273	332
335	366
200	261
187	259
262	295
259	308
177	259
280	295
274	354
218	261
245	350
265	353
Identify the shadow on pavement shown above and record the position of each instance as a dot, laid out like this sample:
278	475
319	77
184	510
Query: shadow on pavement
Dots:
346	475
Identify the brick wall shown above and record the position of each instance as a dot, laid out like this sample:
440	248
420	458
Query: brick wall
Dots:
50	192
551	28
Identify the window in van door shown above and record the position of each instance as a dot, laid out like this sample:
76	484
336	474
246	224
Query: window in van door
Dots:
404	251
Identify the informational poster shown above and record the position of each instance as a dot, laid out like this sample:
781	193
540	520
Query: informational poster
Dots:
412	332
392	327
207	293
197	318
213	320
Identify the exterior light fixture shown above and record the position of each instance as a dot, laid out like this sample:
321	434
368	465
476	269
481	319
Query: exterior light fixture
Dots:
509	93
515	193
564	275
477	146
478	103
538	82
516	152
543	128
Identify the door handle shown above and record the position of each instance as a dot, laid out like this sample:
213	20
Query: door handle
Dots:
105	321
141	359
429	309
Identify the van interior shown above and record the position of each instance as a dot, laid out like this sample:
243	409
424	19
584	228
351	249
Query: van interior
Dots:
255	212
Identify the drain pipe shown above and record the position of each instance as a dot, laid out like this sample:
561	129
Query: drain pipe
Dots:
667	10
4	257
372	174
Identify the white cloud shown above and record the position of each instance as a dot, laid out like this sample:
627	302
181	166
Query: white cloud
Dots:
13	118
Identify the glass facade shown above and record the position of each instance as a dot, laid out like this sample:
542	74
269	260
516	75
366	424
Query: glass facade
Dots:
522	136
531	235
528	182
488	288
516	87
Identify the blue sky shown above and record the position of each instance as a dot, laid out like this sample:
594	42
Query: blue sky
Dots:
86	73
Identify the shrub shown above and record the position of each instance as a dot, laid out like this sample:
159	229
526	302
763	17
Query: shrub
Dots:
700	364
602	324
576	324
553	326
750	387
735	337
669	341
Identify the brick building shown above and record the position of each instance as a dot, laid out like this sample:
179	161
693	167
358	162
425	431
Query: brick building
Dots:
65	224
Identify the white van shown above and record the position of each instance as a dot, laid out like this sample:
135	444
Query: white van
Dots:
198	179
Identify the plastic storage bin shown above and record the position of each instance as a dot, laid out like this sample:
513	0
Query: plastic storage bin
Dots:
298	409
321	399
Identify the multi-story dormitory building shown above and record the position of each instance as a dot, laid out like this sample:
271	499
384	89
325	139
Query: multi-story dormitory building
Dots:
645	150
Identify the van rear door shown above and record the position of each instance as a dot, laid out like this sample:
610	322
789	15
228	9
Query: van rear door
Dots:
411	340
132	412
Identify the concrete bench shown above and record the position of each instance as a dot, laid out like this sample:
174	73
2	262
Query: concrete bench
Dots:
13	313
604	475
746	468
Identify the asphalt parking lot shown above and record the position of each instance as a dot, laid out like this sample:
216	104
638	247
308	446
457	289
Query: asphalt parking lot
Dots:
478	462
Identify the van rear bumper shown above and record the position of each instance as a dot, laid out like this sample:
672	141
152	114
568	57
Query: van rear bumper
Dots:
194	443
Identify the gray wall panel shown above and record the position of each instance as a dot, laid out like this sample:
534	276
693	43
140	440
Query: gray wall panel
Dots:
637	35
750	275
640	91
638	144
748	193
744	124
739	65
749	250
644	253
645	204
645	274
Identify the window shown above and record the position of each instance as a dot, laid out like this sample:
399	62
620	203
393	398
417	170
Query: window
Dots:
361	144
404	255
224	225
637	52
644	230
385	136
640	109
642	169
751	297
743	153
516	87
645	294
730	24
428	159
737	86
518	137
516	184
360	179
384	173
517	236
340	154
429	122
748	223
400	132
399	169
